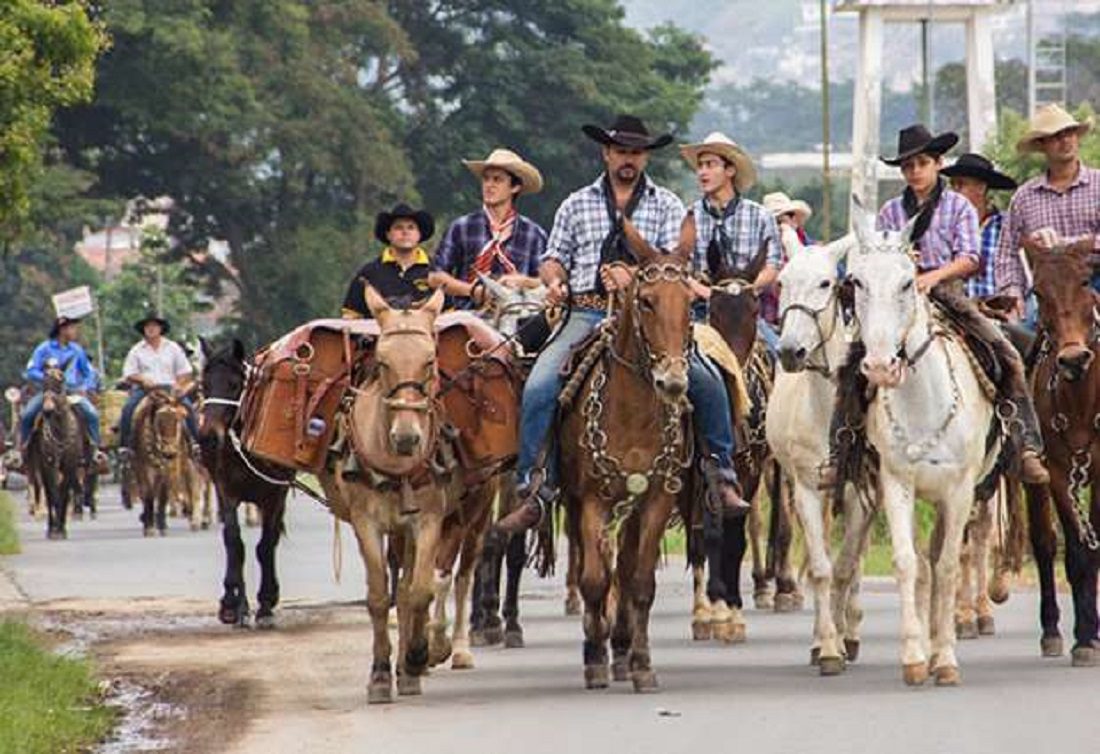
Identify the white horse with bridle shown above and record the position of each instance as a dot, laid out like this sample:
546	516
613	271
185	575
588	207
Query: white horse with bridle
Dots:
812	346
928	420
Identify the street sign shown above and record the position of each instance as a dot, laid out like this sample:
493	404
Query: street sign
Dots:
75	303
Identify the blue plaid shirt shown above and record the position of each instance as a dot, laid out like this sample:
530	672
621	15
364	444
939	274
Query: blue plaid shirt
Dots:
469	234
581	225
984	281
745	226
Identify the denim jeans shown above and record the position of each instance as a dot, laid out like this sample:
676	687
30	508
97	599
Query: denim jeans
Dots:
34	407
706	391
126	420
767	333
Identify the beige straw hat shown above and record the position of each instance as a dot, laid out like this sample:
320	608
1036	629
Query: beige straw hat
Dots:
510	162
1050	120
719	144
780	204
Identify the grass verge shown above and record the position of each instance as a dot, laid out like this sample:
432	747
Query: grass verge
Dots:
47	703
9	537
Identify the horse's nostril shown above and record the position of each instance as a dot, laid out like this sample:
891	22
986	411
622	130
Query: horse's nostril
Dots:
800	353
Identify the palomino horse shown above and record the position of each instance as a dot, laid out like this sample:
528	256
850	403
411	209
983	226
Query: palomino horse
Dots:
812	346
624	451
1066	388
238	477
927	425
55	454
159	441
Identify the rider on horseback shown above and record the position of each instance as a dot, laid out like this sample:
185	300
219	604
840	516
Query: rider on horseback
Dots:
400	274
586	240
61	351
945	236
155	362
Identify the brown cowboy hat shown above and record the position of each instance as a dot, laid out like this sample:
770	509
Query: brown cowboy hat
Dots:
917	139
528	175
1048	121
627	131
385	221
972	165
60	322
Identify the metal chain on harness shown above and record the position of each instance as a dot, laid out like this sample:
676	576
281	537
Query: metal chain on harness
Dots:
915	451
1080	479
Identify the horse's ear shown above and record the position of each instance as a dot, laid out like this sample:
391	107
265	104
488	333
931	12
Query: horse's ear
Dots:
688	233
643	250
434	305
839	249
907	231
204	348
792	244
862	225
1081	248
238	349
376	302
495	289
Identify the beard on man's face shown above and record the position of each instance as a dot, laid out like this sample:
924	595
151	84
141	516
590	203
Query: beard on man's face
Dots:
626	172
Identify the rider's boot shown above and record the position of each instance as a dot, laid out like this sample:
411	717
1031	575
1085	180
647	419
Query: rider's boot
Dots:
536	499
723	490
1017	415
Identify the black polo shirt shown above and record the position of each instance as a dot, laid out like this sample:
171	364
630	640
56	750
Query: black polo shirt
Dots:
400	288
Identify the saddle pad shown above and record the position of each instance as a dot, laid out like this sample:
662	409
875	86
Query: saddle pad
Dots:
981	355
714	346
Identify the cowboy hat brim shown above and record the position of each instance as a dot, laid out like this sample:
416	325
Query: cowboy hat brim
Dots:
165	326
938	145
800	209
529	176
746	171
1029	142
60	322
992	178
386	220
626	139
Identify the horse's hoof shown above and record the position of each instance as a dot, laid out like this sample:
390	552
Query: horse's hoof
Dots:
477	639
799	601
380	691
205	525
227	615
786	602
830	666
92	515
701	630
194	527
1083	657
1051	646
729	632
573	605
148	531
815	657
915	674
493	635
947	675
645	681
513	638
999	591
265	622
162	532
851	649
439	648
986	625
408	685
966	629
596	677
763	601
620	669
462	659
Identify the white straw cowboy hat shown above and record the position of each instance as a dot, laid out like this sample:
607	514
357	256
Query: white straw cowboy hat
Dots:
719	144
1050	120
505	159
780	204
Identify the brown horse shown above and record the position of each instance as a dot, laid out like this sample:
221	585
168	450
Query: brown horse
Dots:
159	441
1066	390
625	447
55	454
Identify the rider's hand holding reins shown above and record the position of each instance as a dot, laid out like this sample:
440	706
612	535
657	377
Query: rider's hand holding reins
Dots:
616	277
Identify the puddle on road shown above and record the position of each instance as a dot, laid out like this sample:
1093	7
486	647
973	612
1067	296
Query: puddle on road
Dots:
143	718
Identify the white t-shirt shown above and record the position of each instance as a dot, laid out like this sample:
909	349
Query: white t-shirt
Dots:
162	364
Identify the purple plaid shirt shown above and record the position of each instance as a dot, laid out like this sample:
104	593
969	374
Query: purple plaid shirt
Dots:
953	232
1037	205
984	282
468	235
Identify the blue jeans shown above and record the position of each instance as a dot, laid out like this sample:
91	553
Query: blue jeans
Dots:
767	333
706	391
126	420
34	407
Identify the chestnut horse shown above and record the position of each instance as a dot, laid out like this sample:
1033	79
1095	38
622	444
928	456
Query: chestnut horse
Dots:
626	443
1066	390
159	442
55	452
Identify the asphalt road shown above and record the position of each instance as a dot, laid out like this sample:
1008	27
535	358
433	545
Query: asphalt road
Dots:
761	696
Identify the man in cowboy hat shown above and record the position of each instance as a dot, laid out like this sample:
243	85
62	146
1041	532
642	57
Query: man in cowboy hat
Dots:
400	274
495	241
585	243
790	212
61	351
723	229
973	176
153	362
945	237
1061	204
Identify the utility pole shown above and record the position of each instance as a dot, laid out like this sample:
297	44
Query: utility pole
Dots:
826	136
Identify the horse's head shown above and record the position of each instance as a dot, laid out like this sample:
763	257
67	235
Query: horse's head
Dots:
405	377
511	308
223	378
1067	305
884	282
167	422
657	307
808	301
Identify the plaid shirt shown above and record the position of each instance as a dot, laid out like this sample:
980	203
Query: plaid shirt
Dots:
581	225
984	282
1037	205
746	227
469	234
952	233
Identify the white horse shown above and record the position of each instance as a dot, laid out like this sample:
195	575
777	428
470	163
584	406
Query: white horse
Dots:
812	345
928	421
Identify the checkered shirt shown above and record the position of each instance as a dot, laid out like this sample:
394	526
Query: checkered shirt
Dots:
746	226
469	234
984	282
952	233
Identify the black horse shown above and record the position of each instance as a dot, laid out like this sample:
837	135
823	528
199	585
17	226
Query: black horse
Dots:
56	452
236	480
486	626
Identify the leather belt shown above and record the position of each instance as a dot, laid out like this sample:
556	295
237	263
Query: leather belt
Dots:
590	301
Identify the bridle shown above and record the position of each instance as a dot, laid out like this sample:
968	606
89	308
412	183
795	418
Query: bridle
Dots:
824	369
424	387
650	275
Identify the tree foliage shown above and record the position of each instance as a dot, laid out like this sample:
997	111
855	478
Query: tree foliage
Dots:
1012	126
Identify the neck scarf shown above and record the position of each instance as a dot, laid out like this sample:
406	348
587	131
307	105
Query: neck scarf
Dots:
719	242
927	209
493	251
614	247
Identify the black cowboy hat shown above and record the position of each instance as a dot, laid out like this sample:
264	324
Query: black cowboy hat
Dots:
165	327
403	211
627	131
917	139
972	165
60	322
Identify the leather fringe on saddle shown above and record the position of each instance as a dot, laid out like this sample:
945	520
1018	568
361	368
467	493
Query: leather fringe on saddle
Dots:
856	460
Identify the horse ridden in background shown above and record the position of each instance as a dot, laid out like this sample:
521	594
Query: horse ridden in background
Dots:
1066	390
159	442
55	454
237	478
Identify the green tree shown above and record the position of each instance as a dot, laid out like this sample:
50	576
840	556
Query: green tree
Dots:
48	63
1012	126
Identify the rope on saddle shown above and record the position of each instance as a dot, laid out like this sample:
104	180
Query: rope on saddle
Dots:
951	329
583	368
